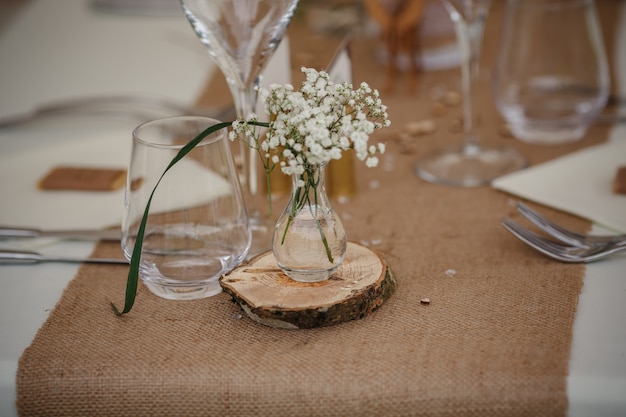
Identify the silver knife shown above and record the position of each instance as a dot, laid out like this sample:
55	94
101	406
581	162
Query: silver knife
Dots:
69	234
28	258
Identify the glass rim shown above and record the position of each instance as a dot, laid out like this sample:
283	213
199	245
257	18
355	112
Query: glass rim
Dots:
209	121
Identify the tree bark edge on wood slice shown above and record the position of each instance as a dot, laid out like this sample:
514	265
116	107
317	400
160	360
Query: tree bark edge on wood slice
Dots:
360	286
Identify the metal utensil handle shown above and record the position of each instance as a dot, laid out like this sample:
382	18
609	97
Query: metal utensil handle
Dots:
29	258
19	257
70	234
10	232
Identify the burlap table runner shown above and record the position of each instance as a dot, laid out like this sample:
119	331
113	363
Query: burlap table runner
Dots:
494	340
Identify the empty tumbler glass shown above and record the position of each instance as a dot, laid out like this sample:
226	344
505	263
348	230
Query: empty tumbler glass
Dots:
197	228
551	77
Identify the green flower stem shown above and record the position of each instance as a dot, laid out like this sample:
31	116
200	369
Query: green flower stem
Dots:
325	241
295	206
319	227
133	273
268	184
300	200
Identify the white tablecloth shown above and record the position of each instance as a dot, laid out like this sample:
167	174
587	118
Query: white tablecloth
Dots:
64	48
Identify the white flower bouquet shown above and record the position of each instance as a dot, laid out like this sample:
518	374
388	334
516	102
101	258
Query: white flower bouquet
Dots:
315	124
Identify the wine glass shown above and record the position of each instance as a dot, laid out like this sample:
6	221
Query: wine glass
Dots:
471	164
241	36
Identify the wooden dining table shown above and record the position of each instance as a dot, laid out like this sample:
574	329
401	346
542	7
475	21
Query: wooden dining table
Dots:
504	331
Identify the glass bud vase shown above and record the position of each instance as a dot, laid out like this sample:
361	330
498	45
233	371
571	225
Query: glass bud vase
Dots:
309	241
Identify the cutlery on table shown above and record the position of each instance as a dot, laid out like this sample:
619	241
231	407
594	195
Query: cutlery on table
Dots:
69	234
564	234
139	107
27	257
560	251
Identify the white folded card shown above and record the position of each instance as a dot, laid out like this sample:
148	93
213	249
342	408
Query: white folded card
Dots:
580	183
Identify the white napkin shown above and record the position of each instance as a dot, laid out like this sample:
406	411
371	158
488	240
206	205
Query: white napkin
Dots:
579	183
23	204
340	67
277	71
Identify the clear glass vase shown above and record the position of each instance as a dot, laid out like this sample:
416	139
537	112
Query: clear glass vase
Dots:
309	241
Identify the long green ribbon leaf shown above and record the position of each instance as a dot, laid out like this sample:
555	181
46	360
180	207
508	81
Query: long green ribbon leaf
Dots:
133	274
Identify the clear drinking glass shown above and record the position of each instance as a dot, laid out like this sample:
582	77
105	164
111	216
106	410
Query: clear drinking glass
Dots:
552	76
241	36
471	164
197	228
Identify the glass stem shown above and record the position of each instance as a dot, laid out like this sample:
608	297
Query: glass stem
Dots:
469	34
245	99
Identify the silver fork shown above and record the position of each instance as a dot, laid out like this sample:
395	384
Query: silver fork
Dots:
559	251
566	235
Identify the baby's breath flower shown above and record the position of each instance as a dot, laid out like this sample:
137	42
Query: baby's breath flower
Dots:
315	124
371	161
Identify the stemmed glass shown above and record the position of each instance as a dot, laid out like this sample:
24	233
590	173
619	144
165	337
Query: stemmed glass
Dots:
471	164
241	36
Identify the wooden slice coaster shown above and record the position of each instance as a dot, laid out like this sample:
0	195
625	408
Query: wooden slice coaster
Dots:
361	284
